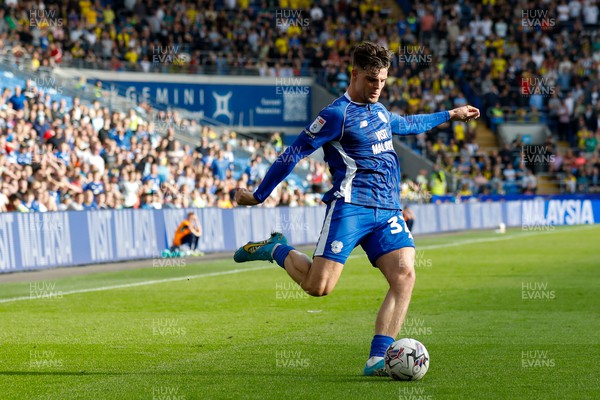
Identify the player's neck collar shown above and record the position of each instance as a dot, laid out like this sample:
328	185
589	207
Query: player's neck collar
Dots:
347	95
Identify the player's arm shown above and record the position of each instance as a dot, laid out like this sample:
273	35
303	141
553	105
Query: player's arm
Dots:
280	169
325	128
420	123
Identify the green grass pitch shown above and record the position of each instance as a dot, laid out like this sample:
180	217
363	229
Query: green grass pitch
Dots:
514	316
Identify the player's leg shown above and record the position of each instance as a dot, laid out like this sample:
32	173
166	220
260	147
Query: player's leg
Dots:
317	277
391	249
340	234
342	230
398	267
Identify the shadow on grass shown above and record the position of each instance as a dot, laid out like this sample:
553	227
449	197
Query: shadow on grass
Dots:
58	373
323	377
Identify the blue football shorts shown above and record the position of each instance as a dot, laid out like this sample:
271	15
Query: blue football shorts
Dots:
379	231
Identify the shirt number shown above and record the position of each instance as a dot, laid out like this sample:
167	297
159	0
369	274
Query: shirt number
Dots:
397	227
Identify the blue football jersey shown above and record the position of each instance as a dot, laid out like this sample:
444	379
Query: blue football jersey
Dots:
357	142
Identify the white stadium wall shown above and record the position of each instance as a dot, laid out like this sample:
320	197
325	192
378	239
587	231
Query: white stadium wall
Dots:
30	241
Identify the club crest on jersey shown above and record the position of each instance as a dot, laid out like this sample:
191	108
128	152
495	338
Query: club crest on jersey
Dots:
337	246
382	116
316	126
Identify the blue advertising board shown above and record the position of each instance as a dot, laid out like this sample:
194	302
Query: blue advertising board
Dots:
283	104
30	241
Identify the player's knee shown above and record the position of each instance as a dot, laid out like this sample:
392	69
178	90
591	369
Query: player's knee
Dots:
404	276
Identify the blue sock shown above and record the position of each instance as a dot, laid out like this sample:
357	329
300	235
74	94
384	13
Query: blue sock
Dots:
280	252
379	345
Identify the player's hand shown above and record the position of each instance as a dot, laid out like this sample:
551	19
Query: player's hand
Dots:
464	113
244	197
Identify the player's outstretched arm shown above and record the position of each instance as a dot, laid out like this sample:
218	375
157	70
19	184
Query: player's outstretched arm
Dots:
415	124
326	127
280	169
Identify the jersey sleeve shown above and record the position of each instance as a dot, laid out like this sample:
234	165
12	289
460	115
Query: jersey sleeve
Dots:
325	128
415	124
282	167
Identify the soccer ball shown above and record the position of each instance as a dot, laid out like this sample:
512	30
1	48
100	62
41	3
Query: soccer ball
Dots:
406	360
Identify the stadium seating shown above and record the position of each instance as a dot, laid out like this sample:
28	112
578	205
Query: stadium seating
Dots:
476	53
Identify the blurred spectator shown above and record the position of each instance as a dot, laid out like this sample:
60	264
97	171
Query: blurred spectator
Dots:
437	182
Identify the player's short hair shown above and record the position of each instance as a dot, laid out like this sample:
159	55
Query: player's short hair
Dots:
189	214
371	57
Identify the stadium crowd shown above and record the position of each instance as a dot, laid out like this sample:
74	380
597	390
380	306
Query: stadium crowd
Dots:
54	157
542	67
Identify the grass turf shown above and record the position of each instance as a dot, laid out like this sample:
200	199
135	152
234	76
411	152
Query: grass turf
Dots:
503	317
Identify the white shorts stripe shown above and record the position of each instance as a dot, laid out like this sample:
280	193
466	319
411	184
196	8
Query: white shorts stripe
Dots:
325	231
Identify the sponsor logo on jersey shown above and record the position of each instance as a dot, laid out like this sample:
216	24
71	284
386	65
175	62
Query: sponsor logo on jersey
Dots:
309	134
336	246
380	147
363	124
316	126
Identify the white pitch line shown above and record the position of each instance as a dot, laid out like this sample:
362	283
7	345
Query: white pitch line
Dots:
143	283
483	240
490	239
235	271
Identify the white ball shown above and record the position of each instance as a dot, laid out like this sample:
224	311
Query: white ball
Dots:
406	360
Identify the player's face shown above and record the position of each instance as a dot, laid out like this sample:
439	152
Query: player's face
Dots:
369	85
